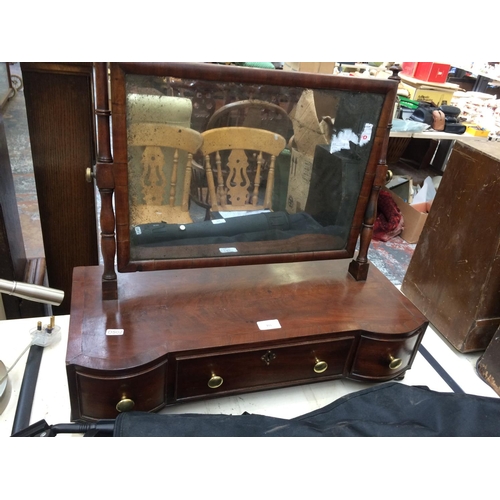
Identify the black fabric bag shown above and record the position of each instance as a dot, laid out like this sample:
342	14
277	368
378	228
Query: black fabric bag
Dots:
386	410
423	114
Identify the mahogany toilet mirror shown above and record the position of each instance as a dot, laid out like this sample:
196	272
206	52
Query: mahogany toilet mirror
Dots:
241	195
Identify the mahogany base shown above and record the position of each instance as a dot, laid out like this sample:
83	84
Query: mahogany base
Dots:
182	335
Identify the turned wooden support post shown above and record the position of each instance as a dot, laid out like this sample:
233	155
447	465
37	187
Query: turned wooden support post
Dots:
105	182
359	268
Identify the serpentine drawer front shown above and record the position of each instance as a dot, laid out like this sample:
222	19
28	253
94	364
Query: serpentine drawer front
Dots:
209	375
102	396
381	359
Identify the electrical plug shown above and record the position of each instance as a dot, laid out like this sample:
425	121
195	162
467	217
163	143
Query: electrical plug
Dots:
47	335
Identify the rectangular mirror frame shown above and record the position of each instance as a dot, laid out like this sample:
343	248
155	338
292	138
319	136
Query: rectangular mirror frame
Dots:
112	175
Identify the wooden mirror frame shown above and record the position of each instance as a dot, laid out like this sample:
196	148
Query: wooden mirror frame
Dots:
112	175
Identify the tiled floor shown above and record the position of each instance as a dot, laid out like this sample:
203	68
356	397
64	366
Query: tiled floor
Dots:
392	258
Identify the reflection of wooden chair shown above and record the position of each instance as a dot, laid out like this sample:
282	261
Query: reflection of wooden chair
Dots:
253	113
164	197
227	152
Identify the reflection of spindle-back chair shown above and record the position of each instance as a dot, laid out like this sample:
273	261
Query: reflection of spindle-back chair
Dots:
253	113
226	154
166	169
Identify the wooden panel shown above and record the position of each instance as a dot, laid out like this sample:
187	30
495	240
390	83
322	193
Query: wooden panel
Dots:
454	274
59	109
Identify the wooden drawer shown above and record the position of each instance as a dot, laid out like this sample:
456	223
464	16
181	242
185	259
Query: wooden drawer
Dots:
237	371
98	396
381	359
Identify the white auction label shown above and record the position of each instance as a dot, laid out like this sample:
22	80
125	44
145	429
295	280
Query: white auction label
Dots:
269	324
228	250
114	331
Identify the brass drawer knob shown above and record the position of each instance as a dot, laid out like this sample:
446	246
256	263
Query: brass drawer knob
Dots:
89	175
395	363
125	404
320	366
388	176
215	381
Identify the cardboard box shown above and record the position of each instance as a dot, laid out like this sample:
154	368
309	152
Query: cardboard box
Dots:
310	130
427	93
310	67
414	217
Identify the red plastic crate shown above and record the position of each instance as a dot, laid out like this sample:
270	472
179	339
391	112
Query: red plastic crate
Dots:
427	71
408	68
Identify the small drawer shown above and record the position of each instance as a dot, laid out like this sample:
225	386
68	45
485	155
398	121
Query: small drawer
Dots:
219	373
380	359
105	397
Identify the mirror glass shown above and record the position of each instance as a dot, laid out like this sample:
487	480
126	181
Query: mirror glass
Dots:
230	169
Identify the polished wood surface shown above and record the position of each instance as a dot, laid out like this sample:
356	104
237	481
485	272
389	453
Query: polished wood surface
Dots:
104	180
454	274
181	328
59	106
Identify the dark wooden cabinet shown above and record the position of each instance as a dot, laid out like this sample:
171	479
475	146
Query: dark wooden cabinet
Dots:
176	336
59	108
454	274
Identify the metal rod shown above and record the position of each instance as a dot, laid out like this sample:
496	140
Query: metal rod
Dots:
28	291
